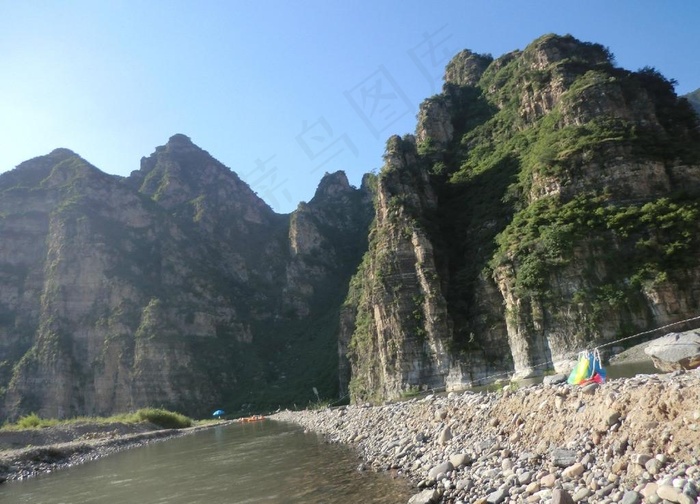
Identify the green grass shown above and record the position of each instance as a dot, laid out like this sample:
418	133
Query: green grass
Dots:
160	417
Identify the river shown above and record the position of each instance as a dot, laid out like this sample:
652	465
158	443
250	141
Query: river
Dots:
262	462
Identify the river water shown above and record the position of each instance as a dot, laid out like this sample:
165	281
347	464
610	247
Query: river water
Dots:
262	462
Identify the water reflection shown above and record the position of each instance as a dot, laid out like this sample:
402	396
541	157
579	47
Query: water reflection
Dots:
246	463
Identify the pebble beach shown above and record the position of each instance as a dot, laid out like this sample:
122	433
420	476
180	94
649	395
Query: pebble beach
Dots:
629	440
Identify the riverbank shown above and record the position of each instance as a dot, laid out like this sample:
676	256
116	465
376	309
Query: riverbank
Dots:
28	452
628	440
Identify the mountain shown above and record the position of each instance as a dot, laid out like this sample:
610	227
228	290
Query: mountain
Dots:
548	202
176	286
694	99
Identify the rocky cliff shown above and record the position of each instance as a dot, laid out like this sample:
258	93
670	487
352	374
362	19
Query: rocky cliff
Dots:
176	286
694	100
547	203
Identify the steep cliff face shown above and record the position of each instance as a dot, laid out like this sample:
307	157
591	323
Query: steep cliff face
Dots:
552	196
327	234
400	315
548	202
167	288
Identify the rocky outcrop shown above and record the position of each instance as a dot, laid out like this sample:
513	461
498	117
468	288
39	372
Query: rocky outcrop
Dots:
399	307
175	287
435	123
675	351
547	194
466	68
327	236
549	202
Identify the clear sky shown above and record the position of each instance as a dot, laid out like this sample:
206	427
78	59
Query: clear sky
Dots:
279	91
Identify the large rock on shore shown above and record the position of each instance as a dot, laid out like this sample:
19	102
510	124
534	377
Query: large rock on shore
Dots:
675	351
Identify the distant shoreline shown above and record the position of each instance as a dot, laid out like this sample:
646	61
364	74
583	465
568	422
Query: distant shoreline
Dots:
27	453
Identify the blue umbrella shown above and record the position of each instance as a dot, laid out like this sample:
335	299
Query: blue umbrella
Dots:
218	413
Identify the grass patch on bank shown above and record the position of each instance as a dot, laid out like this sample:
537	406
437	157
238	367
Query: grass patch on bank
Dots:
162	418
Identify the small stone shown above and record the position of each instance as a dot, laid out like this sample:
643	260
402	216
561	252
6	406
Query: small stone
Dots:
548	481
465	484
559	402
653	466
498	496
669	493
425	497
612	418
606	490
631	497
554	379
460	459
685	499
562	457
541	496
640	458
618	467
691	488
648	490
525	478
679	482
440	469
507	464
561	497
590	388
532	488
573	471
581	494
445	436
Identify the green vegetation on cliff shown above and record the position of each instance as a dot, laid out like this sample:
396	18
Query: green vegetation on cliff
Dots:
567	208
550	122
176	287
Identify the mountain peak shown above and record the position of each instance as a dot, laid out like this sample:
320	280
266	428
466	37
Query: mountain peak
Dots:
180	143
466	68
332	184
61	153
181	139
552	49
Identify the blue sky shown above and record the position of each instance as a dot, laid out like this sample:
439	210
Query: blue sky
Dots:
279	91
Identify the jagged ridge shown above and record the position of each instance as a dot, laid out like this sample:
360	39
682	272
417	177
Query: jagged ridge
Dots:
547	203
176	286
